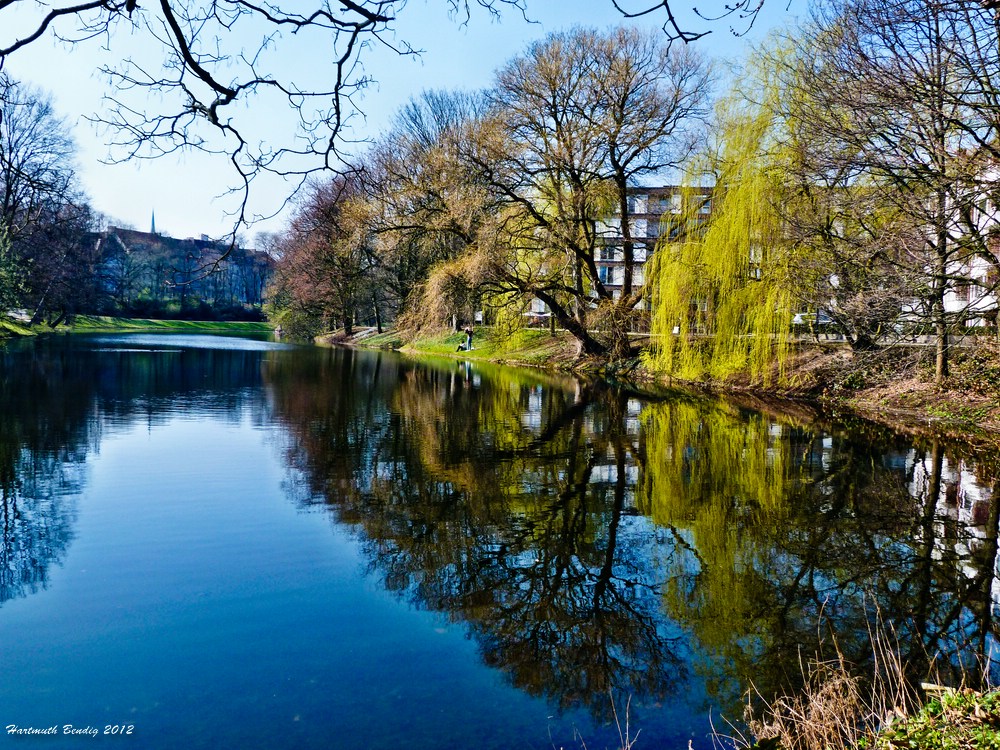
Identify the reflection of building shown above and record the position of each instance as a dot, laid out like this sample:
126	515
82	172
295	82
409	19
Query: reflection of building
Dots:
962	511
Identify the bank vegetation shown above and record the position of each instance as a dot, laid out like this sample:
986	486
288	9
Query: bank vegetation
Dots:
850	249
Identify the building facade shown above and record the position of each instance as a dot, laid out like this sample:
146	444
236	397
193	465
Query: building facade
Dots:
655	214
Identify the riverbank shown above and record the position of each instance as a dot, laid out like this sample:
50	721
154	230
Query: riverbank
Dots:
12	329
893	387
528	348
952	720
834	715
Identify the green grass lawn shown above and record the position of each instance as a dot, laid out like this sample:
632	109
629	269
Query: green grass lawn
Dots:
528	346
12	328
102	324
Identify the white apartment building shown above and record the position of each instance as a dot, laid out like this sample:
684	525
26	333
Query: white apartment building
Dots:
666	212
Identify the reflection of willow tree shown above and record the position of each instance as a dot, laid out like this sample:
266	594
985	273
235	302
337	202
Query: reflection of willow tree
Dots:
505	504
787	527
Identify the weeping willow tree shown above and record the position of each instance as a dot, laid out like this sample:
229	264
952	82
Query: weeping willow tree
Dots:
721	295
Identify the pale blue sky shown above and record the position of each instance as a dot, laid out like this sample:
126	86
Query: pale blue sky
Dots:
183	190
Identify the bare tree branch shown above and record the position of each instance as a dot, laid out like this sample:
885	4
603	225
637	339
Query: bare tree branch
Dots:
221	64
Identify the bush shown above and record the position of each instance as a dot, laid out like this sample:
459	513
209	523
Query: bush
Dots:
977	368
957	720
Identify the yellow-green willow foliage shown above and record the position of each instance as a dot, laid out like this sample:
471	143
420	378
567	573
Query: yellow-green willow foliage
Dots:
720	481
719	476
721	302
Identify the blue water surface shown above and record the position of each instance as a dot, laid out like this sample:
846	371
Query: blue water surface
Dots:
198	606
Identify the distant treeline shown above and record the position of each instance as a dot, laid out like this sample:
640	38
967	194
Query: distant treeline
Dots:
59	258
151	275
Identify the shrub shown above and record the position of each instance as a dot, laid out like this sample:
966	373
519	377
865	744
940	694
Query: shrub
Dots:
977	368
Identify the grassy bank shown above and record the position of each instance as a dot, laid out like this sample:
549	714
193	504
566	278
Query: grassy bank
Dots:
10	328
838	710
950	719
104	324
529	347
842	707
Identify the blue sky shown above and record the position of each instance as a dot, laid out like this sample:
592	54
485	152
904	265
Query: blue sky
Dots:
183	190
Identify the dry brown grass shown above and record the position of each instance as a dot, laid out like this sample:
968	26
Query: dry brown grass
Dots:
837	707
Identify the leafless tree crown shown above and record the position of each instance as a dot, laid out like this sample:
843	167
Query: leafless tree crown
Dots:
207	75
208	72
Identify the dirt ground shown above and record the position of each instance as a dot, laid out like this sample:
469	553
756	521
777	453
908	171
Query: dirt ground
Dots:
895	386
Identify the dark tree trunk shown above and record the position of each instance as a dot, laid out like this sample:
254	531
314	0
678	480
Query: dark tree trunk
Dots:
589	345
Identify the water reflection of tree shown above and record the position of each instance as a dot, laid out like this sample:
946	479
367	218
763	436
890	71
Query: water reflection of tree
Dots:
44	436
57	399
37	514
589	547
505	504
798	531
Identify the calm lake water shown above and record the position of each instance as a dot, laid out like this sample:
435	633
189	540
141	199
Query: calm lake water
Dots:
226	543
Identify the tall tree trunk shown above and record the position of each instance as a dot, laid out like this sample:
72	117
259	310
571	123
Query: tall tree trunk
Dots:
940	285
378	315
943	157
618	322
580	297
589	345
628	245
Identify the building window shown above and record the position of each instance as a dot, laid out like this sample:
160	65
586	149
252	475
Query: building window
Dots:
608	252
637	204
